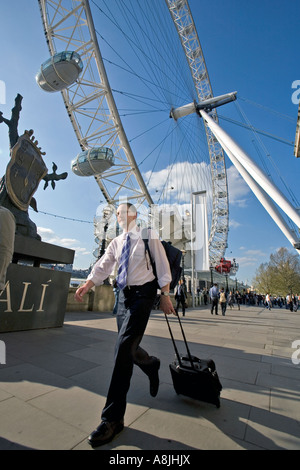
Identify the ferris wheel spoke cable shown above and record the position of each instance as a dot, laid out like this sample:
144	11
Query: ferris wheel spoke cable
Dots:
135	46
270	110
173	169
167	182
259	131
268	155
128	69
147	56
164	139
146	100
191	156
145	80
191	152
155	57
160	145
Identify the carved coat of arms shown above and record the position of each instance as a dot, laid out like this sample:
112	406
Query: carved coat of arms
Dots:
24	171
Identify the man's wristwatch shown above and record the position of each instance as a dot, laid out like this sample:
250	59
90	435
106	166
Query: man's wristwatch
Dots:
165	293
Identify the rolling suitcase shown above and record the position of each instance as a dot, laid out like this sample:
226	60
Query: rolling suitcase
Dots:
193	377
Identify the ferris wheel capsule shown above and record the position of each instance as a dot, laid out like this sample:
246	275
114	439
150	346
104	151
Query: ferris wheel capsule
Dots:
59	71
93	161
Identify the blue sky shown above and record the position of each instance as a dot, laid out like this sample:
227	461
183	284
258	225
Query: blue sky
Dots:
249	47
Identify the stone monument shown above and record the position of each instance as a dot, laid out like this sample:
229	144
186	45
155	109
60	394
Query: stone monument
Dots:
34	295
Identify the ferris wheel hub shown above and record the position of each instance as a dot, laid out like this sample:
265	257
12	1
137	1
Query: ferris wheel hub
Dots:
206	105
183	111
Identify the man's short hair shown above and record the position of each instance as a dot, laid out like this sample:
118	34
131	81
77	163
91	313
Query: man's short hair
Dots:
130	207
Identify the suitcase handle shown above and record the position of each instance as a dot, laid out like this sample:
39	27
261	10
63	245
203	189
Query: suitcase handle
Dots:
185	342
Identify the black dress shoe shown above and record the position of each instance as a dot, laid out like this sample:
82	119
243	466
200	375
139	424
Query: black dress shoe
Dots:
105	433
153	377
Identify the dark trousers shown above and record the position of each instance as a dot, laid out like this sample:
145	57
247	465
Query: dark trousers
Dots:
223	307
214	305
180	300
135	305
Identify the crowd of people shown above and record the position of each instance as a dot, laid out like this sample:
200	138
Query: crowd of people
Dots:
290	302
219	297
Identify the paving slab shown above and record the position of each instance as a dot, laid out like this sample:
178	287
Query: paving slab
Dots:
54	383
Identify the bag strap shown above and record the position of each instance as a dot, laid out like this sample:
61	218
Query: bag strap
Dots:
185	342
145	237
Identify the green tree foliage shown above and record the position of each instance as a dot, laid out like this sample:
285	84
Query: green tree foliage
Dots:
280	276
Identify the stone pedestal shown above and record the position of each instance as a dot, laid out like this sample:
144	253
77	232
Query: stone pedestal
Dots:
98	299
35	297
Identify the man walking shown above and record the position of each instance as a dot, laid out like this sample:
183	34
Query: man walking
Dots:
214	296
180	296
223	301
139	289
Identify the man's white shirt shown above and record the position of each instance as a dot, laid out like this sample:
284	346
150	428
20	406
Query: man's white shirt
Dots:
139	268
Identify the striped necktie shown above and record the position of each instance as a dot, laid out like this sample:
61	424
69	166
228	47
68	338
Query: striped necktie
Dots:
123	267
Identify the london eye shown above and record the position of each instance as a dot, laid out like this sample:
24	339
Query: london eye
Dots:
140	62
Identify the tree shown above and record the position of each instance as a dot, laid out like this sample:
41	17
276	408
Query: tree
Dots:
262	280
281	275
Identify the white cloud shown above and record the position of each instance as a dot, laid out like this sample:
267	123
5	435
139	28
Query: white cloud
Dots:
255	253
83	251
251	257
68	242
179	180
246	261
252	252
237	188
44	231
49	236
234	224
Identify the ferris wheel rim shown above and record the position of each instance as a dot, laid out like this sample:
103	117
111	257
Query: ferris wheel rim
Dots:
185	26
216	252
49	32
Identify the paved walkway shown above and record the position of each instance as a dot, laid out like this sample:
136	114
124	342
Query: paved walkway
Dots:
54	383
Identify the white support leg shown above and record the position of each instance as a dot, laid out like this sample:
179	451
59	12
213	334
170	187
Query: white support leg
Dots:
252	169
